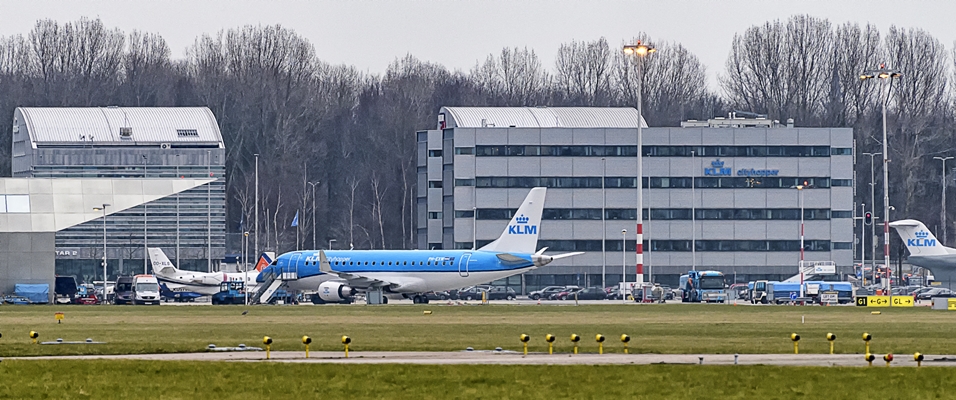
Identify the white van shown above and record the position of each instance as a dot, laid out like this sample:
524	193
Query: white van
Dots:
145	289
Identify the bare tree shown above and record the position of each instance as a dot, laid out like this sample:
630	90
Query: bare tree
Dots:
583	72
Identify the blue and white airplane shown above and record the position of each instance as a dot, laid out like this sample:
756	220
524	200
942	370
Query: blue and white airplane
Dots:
336	274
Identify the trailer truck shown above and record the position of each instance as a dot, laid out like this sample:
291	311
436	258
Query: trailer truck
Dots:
703	286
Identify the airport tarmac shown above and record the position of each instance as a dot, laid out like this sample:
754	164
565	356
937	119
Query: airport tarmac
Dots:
516	358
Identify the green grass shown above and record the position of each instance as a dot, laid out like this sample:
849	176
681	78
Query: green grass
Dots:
673	328
72	379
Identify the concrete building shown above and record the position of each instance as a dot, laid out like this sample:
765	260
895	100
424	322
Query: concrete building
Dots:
119	142
33	210
724	188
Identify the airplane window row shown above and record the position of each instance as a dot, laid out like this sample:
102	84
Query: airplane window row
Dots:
403	263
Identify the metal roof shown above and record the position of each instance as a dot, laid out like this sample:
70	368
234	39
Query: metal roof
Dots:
104	124
542	117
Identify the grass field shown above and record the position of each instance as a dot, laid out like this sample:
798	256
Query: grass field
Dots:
672	328
194	380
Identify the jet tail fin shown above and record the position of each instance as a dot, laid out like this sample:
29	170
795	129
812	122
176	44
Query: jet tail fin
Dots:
265	260
919	240
521	234
161	264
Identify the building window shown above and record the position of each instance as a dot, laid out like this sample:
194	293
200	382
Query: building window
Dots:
841	151
663	214
561	182
465	151
422	136
434	153
660	151
463	245
842	245
464	182
434	215
435	246
841	214
434	184
187	133
464	214
841	182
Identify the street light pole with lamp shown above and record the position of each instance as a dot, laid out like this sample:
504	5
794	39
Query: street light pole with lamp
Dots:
103	208
886	75
873	207
245	263
313	211
624	264
802	246
942	208
639	49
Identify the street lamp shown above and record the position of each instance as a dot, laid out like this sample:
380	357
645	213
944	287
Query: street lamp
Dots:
873	207
603	224
639	49
145	225
693	211
886	75
942	208
103	208
313	211
245	264
800	190
624	264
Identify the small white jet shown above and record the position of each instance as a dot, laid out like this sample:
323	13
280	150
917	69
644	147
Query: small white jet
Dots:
204	283
926	251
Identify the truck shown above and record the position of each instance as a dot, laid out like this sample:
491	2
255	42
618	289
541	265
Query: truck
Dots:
123	290
230	292
703	286
145	289
820	292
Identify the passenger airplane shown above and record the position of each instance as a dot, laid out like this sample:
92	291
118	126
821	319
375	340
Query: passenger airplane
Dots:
337	273
926	251
204	283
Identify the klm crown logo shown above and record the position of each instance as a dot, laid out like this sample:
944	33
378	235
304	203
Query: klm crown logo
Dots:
717	163
717	170
522	227
921	240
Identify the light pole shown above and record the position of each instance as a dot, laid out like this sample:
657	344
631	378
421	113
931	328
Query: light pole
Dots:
330	243
640	49
256	218
603	225
177	212
693	211
145	236
873	207
624	264
942	208
209	212
863	242
886	75
313	210
800	190
245	264
103	208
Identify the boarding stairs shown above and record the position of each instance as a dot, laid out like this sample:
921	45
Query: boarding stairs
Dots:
813	269
270	285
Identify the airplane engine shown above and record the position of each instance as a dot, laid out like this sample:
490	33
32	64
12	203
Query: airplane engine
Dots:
335	291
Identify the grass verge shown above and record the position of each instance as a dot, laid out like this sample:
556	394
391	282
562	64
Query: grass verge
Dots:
115	379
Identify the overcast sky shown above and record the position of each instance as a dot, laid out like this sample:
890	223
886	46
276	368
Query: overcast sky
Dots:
457	34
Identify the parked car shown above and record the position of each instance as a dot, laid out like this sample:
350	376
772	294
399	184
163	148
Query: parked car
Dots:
501	293
437	295
469	293
545	292
565	294
589	293
936	292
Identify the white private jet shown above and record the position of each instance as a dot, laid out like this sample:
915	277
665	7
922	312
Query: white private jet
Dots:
926	251
203	283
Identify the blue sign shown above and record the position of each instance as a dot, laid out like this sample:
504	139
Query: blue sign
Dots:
717	169
757	172
921	240
793	295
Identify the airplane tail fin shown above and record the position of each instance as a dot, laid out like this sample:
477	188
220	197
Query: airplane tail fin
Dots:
919	240
161	264
521	234
265	260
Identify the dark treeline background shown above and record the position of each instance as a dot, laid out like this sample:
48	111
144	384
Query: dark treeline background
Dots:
353	132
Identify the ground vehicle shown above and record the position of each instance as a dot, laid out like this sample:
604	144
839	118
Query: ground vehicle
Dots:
698	286
740	291
65	290
758	292
501	293
813	291
86	295
123	293
590	293
145	290
567	293
936	292
437	295
230	292
545	292
469	293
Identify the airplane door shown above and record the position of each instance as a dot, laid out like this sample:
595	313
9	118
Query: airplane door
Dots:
463	264
294	265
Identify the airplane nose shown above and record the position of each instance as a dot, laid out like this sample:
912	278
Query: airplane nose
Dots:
541	260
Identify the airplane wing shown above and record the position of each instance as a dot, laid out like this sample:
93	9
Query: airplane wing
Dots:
354	280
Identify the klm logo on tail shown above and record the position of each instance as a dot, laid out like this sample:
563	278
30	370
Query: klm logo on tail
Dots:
921	240
522	227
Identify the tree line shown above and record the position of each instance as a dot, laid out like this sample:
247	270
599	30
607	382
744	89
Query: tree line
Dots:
348	136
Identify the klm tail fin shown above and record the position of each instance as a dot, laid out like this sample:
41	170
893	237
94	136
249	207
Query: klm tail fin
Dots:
521	234
919	240
161	264
265	260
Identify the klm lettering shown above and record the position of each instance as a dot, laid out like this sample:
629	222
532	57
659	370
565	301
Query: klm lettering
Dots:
921	242
522	230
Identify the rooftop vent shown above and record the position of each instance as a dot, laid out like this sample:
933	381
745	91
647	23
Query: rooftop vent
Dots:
126	132
187	133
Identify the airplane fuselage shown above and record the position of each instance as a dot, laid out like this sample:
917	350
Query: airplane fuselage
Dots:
415	271
204	283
